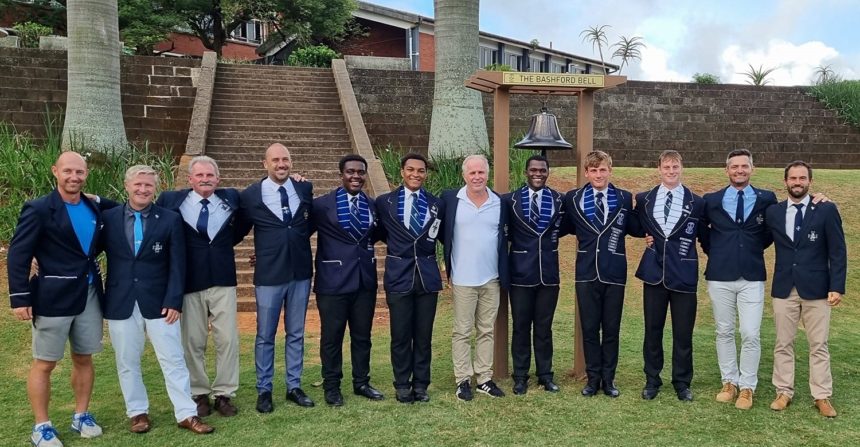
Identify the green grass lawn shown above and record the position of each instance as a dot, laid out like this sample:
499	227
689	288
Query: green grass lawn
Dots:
537	418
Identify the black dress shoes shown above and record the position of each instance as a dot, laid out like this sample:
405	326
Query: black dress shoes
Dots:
299	397
650	393
685	395
589	390
369	392
521	386
334	398
404	395
420	395
549	385
264	402
610	390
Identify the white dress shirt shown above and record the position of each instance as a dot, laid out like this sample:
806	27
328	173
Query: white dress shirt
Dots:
674	213
791	212
272	197
219	212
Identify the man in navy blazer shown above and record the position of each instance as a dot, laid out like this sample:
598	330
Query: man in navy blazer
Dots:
737	238
535	218
345	283
145	249
60	231
808	280
672	215
476	247
212	227
409	223
601	215
279	209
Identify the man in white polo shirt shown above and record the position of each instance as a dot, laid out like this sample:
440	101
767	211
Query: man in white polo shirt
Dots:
476	261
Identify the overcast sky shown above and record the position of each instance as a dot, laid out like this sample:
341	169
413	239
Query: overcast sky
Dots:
686	37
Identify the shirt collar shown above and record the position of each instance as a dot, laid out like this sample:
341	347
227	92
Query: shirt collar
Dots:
270	184
129	211
805	201
675	191
533	191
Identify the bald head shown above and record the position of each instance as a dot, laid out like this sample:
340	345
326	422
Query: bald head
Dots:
278	163
70	170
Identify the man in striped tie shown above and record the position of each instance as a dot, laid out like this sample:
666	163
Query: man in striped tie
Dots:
345	281
601	215
671	215
535	215
410	218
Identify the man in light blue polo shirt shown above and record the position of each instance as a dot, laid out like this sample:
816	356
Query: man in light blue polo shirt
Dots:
476	260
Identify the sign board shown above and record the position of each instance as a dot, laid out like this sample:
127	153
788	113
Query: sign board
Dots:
552	79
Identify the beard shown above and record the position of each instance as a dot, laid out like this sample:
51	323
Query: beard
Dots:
798	192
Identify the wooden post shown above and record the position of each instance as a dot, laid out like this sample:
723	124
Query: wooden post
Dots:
501	137
584	145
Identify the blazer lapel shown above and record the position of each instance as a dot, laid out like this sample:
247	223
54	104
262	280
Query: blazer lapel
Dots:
577	199
61	218
393	200
686	209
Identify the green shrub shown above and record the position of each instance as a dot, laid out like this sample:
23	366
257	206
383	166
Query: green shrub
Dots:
318	56
706	78
842	96
25	171
498	67
29	33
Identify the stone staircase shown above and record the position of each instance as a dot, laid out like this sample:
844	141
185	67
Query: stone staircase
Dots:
254	106
157	95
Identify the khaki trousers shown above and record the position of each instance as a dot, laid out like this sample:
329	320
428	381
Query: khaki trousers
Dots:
815	315
215	305
474	307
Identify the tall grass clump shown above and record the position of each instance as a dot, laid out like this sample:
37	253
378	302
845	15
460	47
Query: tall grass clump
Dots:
842	96
25	171
446	172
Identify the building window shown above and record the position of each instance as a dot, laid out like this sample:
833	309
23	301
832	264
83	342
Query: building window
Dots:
250	31
555	67
576	68
514	60
537	65
486	56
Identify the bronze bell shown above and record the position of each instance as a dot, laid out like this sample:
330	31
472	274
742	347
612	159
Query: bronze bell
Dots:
543	134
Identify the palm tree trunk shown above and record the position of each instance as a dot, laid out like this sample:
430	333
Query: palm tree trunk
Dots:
93	105
457	126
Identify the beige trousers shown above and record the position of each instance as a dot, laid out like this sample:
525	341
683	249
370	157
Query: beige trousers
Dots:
215	306
474	307
815	315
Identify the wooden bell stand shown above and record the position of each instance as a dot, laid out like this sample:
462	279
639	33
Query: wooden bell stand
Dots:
502	85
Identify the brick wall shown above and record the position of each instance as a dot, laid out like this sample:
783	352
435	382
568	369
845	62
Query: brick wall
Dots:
637	121
157	94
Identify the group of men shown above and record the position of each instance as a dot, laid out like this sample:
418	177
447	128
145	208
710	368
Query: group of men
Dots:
176	255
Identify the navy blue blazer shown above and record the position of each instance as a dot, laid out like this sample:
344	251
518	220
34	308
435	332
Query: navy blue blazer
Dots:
283	249
155	277
602	252
816	263
45	232
343	264
449	203
533	256
735	250
405	251
209	263
673	259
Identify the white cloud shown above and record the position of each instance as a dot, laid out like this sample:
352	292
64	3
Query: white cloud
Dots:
654	66
795	64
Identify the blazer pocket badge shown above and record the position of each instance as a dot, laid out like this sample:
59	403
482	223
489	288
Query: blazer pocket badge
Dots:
759	219
156	247
813	236
434	229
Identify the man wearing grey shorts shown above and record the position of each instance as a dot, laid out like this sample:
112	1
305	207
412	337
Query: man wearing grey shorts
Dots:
61	300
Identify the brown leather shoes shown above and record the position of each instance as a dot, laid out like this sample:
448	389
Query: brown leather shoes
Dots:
728	393
196	425
224	407
825	408
203	408
745	399
781	402
140	423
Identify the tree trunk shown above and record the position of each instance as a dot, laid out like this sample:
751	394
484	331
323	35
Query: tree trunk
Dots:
93	105
457	126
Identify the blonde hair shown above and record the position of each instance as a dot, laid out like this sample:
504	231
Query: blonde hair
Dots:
136	170
476	157
596	158
670	154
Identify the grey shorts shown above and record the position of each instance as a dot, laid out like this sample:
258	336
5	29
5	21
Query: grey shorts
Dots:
83	331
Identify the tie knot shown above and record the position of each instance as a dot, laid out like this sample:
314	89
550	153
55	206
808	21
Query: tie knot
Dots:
741	193
799	206
669	194
599	196
137	214
354	201
281	189
414	196
204	202
535	196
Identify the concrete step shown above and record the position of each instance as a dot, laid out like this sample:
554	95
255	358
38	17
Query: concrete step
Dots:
270	131
224	154
305	164
321	186
274	102
296	123
279	86
290	138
